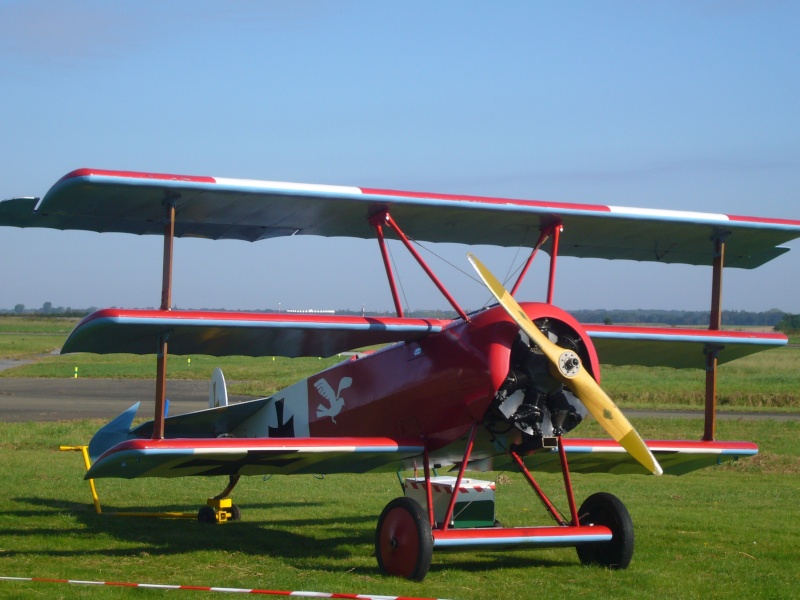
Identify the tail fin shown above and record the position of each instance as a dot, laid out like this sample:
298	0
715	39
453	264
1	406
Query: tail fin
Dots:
218	394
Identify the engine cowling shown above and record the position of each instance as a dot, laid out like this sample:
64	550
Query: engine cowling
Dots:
532	399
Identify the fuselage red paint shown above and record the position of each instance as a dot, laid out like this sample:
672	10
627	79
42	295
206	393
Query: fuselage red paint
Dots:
433	389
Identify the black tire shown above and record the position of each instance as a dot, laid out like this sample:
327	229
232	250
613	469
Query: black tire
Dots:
236	513
608	510
206	514
403	540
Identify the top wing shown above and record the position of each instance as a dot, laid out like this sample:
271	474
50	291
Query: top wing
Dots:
219	208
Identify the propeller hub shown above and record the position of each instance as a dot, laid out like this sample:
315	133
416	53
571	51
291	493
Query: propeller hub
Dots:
569	365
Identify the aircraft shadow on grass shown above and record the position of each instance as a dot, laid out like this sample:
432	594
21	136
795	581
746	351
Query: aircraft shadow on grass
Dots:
160	537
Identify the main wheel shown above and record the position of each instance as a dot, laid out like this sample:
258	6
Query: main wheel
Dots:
403	540
606	509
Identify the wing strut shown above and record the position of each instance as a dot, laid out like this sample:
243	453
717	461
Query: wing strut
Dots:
551	282
376	222
546	232
543	235
710	429
166	304
385	217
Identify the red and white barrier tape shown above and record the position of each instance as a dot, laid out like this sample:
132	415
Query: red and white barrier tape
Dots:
198	588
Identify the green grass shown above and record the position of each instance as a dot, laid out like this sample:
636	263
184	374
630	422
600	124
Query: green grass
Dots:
726	532
765	381
723	532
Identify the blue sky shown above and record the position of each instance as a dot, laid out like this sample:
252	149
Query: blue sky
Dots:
680	105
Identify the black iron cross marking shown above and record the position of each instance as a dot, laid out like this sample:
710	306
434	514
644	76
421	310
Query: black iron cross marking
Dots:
284	429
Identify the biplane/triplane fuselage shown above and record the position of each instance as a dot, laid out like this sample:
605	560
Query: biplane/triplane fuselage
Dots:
493	389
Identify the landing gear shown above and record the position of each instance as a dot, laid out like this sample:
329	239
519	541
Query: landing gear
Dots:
601	530
219	510
403	540
608	510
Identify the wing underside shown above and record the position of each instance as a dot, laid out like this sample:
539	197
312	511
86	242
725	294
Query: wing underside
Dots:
218	208
674	346
269	334
235	333
247	456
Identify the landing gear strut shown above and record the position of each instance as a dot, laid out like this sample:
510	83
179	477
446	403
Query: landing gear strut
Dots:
601	530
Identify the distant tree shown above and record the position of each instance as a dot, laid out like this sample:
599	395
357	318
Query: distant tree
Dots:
788	323
47	308
608	321
19	309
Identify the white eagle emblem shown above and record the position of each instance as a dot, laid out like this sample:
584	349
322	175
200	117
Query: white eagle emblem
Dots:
335	399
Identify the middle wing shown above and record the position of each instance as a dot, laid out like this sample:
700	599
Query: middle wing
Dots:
268	334
223	333
675	347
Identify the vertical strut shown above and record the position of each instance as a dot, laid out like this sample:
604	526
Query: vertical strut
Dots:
389	221
426	457
710	428
387	264
557	229
451	507
166	304
536	488
545	233
562	454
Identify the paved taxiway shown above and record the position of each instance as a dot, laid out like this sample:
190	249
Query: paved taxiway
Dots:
30	399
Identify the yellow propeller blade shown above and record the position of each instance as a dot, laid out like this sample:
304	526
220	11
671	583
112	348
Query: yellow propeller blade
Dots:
567	367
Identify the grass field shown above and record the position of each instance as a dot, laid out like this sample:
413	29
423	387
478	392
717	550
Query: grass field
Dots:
725	532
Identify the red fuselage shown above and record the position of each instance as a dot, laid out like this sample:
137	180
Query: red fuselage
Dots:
434	389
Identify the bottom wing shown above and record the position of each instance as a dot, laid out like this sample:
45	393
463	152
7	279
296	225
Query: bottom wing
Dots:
606	456
289	456
252	456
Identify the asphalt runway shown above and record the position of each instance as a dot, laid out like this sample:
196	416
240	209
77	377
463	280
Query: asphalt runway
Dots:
34	399
31	399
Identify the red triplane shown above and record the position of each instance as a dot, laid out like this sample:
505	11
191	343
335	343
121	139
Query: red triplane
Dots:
493	389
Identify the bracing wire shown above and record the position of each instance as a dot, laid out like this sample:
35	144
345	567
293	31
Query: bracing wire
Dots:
399	279
512	271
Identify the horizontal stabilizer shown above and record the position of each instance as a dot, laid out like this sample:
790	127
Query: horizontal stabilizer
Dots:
674	346
223	333
208	423
112	433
